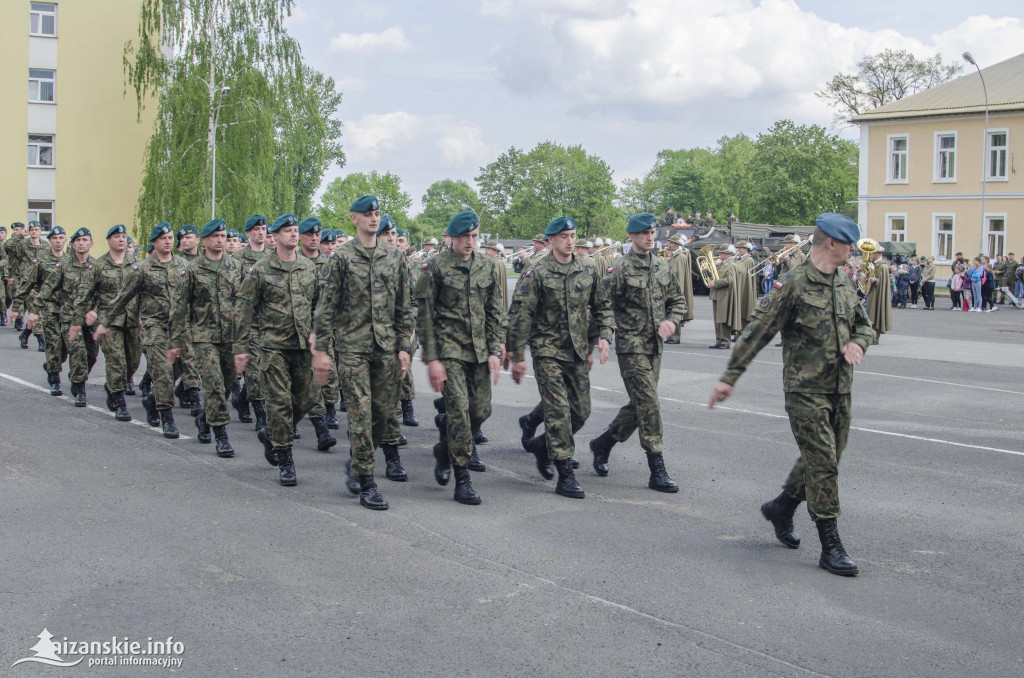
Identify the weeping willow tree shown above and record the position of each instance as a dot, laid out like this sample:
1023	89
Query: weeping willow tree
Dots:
230	84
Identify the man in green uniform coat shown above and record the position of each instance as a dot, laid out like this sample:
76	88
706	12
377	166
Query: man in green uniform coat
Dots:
680	265
251	391
825	333
719	293
648	306
46	313
879	302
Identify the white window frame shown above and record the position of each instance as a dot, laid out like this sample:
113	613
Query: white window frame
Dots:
39	144
888	159
35	214
39	81
936	216
36	13
989	216
1006	156
889	217
937	158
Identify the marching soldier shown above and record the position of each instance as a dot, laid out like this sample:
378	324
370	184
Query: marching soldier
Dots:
407	389
251	390
679	263
188	388
365	300
551	311
719	294
648	306
825	333
25	250
9	248
46	313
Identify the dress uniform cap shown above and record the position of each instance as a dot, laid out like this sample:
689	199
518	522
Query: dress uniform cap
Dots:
463	222
722	249
386	224
310	225
56	230
287	219
791	238
638	223
540	237
557	225
367	203
115	230
254	221
430	241
493	245
838	227
213	226
81	233
678	239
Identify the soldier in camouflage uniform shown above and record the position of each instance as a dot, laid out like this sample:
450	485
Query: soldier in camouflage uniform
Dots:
251	390
122	347
365	307
152	285
387	231
407	389
185	368
648	305
26	250
460	328
551	310
46	314
280	292
207	309
5	293
7	266
329	243
61	289
825	332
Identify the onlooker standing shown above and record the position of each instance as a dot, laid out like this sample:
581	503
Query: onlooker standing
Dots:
902	286
977	275
928	283
915	280
956	286
988	288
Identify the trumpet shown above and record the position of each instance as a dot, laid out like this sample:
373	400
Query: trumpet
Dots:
778	256
706	266
867	246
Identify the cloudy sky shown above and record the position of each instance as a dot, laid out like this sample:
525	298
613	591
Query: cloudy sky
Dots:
434	90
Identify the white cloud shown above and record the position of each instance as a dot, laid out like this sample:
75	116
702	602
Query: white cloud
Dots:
392	39
379	137
374	134
462	146
988	40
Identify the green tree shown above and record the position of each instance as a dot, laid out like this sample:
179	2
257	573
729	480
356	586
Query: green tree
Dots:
499	181
339	195
443	200
638	195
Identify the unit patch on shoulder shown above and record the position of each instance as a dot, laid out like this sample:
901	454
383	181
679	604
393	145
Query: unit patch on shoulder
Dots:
777	284
528	273
251	269
424	266
610	269
134	267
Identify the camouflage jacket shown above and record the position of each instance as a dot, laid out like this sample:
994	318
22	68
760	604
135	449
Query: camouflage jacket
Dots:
365	300
248	258
643	292
151	285
10	254
552	309
61	288
33	277
817	314
321	261
283	298
100	285
460	314
206	308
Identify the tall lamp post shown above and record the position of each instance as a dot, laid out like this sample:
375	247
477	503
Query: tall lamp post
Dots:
984	148
224	92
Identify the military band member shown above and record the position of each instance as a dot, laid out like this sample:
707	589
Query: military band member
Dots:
825	333
46	313
526	261
879	307
251	389
719	293
791	260
679	263
746	286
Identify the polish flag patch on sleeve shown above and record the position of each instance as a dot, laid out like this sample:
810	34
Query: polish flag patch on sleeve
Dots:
777	284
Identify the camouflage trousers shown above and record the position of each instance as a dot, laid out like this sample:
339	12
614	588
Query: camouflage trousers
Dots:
160	371
82	352
821	426
290	390
329	391
640	373
467	402
56	344
216	364
565	397
122	353
254	386
186	368
407	387
368	381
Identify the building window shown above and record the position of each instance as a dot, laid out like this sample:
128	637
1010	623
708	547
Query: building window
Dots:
995	235
998	153
40	86
41	211
40	150
898	159
896	227
945	156
43	19
944	238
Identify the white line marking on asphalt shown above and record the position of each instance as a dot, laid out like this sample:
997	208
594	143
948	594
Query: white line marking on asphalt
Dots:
36	387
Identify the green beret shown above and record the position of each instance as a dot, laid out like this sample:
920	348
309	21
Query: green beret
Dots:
340	233
34	224
115	230
401	233
463	222
232	232
149	248
328	236
287	219
81	233
3	228
17	224
638	223
160	229
310	225
56	230
839	228
367	203
130	241
213	226
556	226
242	238
540	237
254	221
386	224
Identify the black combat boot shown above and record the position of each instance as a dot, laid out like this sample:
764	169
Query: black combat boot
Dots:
439	405
332	417
23	337
78	390
324	439
529	423
441	422
111	405
41	340
203	429
602	446
167	423
409	414
369	496
474	462
131	388
341	401
286	467
443	465
538	447
224	448
260	411
195	400
268	448
351	480
479	438
3	317
659	476
833	555
779	512
182	395
240	402
567	485
19	324
152	417
295	432
121	407
236	390
394	464
53	378
402	440
146	385
464	492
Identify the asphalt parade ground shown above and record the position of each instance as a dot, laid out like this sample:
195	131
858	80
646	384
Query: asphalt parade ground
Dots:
109	530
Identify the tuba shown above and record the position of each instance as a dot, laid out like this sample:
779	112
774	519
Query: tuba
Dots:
706	266
867	246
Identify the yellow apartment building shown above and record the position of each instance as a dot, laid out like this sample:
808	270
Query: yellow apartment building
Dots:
84	143
927	166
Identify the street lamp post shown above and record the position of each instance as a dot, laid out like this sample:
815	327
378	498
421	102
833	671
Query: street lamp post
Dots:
984	148
224	92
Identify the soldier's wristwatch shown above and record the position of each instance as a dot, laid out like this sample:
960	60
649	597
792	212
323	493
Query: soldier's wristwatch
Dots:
406	349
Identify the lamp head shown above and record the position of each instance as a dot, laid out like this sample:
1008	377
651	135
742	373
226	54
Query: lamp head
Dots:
969	59
224	92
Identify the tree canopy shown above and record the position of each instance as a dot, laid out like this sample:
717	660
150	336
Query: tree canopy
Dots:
339	195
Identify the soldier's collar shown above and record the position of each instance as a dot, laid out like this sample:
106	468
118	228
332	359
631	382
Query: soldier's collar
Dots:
815	275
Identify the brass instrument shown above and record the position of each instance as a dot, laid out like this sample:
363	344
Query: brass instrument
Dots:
706	266
867	246
779	256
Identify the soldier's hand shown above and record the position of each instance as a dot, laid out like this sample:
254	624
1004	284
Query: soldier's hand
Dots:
721	392
30	321
590	362
90	318
605	349
853	353
100	332
437	374
666	329
312	343
241	362
74	332
404	360
518	370
321	366
505	357
172	354
494	363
